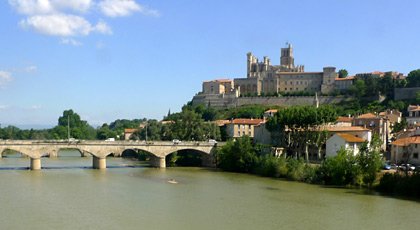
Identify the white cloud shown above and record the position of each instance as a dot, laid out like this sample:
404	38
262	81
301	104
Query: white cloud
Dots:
31	69
5	77
68	18
30	7
63	25
76	5
102	27
35	7
70	41
121	8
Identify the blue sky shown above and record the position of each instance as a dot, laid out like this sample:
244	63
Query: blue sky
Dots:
115	59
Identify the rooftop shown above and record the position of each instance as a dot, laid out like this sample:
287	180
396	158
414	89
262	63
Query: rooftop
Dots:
241	121
350	138
346	129
407	141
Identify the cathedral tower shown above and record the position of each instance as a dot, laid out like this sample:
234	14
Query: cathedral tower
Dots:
286	58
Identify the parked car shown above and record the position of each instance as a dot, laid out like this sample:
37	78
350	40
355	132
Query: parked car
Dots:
176	141
405	167
211	141
386	166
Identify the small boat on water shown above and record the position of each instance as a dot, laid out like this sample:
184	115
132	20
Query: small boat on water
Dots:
172	181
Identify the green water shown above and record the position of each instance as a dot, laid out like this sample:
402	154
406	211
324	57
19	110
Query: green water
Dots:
67	194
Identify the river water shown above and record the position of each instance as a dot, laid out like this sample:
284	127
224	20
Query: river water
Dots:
68	194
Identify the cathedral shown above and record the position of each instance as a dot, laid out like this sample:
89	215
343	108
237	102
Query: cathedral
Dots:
263	78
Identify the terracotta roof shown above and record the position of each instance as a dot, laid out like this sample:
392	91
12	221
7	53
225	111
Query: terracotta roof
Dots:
377	72
241	121
413	108
271	111
167	122
220	80
350	138
344	119
345	79
367	116
346	129
407	141
221	122
130	130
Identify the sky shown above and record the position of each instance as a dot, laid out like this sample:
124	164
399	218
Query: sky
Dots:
126	59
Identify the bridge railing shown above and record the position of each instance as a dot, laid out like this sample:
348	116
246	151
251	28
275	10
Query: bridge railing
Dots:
107	143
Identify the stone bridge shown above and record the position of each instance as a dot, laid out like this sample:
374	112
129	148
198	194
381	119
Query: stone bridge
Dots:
158	150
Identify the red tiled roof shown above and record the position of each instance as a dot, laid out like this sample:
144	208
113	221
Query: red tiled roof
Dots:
367	116
130	130
241	121
350	138
413	108
344	119
346	129
406	141
345	79
271	111
221	122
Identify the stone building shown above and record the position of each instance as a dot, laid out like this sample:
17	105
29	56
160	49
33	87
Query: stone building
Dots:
379	126
263	78
413	115
242	127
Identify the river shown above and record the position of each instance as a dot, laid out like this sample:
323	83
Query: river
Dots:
68	194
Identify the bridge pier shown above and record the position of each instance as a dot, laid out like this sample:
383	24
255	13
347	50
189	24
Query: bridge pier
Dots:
99	162
159	162
35	163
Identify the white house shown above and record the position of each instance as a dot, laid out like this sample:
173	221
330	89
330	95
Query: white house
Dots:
343	140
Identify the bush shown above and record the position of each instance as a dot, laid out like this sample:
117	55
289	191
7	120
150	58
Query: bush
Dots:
339	170
271	166
399	184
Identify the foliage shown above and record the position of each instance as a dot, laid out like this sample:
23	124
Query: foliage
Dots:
297	126
400	184
238	155
370	161
79	129
413	78
342	73
339	170
400	126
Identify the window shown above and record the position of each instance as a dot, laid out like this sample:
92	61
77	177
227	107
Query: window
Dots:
416	146
415	155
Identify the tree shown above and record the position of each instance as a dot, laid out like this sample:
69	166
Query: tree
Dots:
342	73
297	125
358	89
387	85
413	78
238	155
369	160
79	129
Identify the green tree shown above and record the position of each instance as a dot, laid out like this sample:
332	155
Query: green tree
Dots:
79	129
342	73
104	132
369	160
297	125
238	155
413	78
358	89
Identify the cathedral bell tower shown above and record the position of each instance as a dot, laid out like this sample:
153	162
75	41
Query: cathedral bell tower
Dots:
286	58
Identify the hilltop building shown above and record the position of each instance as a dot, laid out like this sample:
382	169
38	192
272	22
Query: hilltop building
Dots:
263	78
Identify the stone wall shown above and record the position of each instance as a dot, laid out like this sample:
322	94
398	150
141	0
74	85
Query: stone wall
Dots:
230	101
405	93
